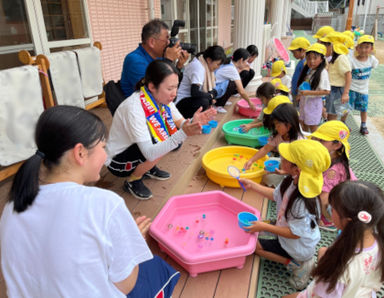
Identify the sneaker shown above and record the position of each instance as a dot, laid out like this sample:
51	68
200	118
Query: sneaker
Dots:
137	189
237	95
156	173
301	275
220	110
327	225
364	130
228	103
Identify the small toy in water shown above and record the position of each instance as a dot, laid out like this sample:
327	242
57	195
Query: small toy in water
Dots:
226	241
204	216
170	226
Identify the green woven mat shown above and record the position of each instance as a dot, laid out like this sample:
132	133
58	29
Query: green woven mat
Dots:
273	277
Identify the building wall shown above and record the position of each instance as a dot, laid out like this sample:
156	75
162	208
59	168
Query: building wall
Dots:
224	23
117	25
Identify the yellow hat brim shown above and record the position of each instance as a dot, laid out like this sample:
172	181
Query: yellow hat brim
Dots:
310	184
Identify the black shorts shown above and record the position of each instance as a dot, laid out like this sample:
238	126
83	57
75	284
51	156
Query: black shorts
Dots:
124	163
273	245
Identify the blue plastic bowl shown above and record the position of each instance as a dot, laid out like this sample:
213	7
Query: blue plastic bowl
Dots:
206	129
271	165
305	86
245	219
263	140
213	123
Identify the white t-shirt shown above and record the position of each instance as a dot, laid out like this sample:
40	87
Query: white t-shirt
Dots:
194	73
324	83
74	241
287	81
361	72
129	126
361	278
227	72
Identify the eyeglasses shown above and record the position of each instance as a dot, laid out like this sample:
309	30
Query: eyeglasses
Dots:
166	40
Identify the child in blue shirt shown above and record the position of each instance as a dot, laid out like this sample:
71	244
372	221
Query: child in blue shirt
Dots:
298	48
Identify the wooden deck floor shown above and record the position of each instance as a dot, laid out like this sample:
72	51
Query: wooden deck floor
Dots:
187	177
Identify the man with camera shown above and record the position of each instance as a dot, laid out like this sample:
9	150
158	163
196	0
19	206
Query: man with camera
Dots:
154	45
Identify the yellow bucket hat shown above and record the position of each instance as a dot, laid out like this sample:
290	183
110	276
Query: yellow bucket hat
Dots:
323	31
318	48
349	34
334	130
299	43
275	102
312	159
340	48
366	38
348	41
279	85
277	68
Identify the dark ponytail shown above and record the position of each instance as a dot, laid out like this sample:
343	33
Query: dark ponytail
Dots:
58	130
156	72
348	199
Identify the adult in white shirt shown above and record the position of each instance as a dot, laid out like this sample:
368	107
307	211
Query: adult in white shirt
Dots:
60	238
147	126
197	88
228	80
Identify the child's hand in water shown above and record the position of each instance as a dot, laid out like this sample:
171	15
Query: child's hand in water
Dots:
257	226
248	164
252	106
245	127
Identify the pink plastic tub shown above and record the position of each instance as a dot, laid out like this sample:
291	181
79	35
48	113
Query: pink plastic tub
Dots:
201	232
244	109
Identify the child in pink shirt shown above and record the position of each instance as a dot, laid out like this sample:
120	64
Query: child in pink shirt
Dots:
334	136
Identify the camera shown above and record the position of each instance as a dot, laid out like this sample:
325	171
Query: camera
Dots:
189	47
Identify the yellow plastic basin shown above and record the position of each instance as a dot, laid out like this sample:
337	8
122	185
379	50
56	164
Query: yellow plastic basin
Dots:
216	162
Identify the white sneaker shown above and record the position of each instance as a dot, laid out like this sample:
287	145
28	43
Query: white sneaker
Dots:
301	275
237	95
228	103
220	110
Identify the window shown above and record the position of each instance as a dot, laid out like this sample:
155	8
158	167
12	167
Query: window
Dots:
41	27
200	18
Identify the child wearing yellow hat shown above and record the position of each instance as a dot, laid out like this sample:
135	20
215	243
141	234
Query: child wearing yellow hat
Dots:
280	87
279	71
339	70
282	119
322	32
298	209
266	91
298	48
316	76
362	64
334	136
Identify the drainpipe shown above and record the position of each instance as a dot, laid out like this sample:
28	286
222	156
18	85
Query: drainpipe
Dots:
350	15
151	10
366	12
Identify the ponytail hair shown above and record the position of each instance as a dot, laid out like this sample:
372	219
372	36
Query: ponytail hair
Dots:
58	130
156	72
348	199
240	53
